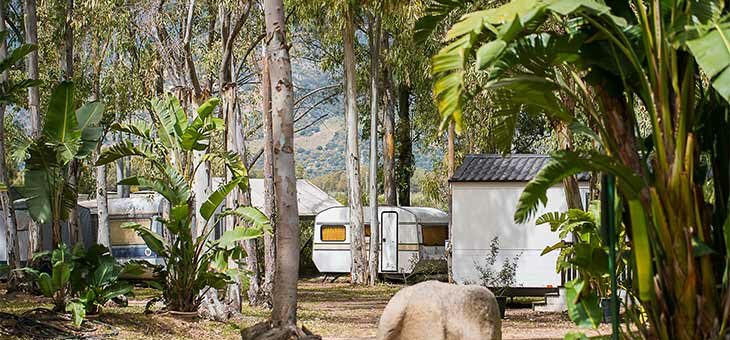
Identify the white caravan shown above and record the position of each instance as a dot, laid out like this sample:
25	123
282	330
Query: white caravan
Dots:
485	191
408	236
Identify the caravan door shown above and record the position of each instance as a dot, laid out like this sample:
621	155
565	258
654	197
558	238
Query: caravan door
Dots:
389	250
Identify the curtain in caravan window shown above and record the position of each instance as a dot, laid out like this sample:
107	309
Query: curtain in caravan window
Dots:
435	235
333	233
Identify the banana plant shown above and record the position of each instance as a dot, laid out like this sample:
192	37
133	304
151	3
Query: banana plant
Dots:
650	81
193	262
67	134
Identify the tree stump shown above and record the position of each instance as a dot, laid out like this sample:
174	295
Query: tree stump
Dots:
265	331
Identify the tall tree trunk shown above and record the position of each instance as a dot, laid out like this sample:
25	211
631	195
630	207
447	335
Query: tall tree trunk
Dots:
358	270
284	312
30	21
449	173
6	204
373	174
74	228
269	199
389	184
404	170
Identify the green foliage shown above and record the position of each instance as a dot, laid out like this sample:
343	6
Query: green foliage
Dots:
583	307
67	135
193	263
82	281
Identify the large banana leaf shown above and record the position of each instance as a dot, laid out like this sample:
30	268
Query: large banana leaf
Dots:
153	240
61	126
237	234
16	55
583	306
567	163
251	214
123	149
712	52
195	136
89	116
208	208
503	25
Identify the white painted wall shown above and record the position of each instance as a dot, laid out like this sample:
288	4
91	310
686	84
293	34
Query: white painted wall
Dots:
483	210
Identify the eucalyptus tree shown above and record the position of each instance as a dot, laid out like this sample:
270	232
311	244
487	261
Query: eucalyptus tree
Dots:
374	42
9	89
284	312
666	63
30	23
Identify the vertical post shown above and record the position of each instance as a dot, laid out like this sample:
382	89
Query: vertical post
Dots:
608	224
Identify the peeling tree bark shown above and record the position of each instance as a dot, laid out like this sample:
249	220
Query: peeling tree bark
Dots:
35	239
8	212
269	199
388	138
284	312
358	269
373	174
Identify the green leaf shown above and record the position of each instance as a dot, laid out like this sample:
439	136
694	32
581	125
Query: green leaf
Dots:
46	285
208	208
436	11
250	214
89	116
237	234
60	275
642	250
61	125
123	149
567	163
16	55
153	240
196	135
583	306
489	52
78	311
117	289
575	336
712	52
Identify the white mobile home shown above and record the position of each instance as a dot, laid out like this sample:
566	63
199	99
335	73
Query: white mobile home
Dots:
485	191
408	234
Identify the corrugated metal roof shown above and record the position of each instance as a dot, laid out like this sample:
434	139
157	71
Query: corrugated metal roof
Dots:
498	168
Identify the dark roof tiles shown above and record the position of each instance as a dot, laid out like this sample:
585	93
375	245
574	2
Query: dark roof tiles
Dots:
496	168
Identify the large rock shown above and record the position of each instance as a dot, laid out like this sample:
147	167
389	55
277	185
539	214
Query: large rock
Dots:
441	311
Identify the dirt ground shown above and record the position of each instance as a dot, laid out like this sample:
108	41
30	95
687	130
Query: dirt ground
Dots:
333	310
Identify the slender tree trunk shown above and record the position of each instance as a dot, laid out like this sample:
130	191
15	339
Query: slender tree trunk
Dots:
373	174
404	170
284	312
358	270
30	21
74	229
389	183
103	235
6	204
269	199
449	173
122	190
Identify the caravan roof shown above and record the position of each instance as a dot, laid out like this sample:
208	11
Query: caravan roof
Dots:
498	168
420	215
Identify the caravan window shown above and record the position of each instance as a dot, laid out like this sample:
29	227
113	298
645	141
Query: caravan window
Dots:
435	235
333	233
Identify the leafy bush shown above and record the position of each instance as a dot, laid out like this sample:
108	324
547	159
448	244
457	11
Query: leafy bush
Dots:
588	256
82	281
497	279
173	148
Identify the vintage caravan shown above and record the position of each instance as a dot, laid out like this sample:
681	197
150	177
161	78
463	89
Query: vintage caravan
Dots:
485	191
140	207
409	235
